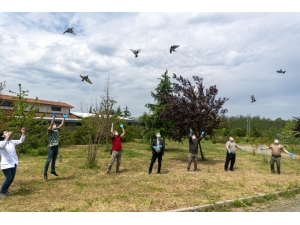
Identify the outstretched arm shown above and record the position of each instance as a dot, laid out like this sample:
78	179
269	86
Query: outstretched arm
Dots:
52	121
112	129
63	121
123	131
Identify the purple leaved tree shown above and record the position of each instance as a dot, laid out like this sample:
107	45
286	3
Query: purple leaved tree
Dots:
193	107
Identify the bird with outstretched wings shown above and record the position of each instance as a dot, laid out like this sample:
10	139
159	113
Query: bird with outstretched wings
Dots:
70	30
173	47
280	71
253	99
136	52
85	78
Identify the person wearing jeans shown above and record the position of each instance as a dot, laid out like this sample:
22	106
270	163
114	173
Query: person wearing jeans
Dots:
9	159
52	150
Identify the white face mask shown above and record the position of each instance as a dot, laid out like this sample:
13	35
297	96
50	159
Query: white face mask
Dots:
158	135
54	127
116	133
193	137
5	134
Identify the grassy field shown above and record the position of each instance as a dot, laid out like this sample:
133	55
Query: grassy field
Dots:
80	189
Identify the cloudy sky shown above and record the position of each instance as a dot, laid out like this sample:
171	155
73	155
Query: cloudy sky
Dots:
239	52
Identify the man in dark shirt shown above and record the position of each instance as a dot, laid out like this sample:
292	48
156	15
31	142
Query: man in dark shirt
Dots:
193	149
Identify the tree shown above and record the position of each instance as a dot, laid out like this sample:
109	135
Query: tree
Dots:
126	112
118	111
2	86
186	109
297	126
24	115
97	126
152	122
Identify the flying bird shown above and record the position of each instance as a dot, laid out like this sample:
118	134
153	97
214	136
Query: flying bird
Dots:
70	30
253	99
136	52
280	71
173	47
86	78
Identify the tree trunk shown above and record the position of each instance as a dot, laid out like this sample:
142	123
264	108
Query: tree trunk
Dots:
202	156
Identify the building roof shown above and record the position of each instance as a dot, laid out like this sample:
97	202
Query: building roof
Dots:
38	101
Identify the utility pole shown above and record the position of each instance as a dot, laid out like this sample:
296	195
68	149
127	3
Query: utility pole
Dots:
248	125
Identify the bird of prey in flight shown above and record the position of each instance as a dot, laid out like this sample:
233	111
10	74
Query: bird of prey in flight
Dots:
252	98
86	78
280	71
136	52
173	47
70	30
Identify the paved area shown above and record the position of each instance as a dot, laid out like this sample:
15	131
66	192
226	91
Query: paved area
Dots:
291	204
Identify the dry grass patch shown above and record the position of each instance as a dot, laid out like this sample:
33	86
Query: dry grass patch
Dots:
82	189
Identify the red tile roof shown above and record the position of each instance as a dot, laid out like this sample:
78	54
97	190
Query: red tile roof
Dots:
39	101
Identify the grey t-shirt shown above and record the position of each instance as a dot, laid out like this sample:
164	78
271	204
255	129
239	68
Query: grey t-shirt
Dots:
231	146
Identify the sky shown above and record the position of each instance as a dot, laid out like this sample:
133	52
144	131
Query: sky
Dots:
237	50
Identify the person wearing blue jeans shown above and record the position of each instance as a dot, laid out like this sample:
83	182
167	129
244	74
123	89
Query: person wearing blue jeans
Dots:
53	137
9	159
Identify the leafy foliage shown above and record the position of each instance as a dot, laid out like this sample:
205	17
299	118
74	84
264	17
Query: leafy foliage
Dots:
153	123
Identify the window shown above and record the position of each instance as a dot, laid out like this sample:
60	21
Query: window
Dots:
6	103
55	108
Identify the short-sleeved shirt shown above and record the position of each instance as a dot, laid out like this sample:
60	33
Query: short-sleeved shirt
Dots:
231	146
276	149
53	137
116	143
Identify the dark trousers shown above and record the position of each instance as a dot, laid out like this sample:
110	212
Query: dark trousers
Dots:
9	177
229	158
52	156
153	159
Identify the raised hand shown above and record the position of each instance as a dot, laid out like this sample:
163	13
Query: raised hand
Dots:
54	115
121	125
191	131
65	116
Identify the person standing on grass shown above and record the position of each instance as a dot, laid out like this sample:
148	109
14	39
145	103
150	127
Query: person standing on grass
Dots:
116	149
158	149
230	154
276	155
53	137
193	150
9	159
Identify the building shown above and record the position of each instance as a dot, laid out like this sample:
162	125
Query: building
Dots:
48	107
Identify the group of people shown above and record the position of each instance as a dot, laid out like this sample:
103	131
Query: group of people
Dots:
9	158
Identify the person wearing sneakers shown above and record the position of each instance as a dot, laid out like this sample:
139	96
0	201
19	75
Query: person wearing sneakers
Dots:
158	149
116	150
230	155
193	150
276	155
9	159
53	137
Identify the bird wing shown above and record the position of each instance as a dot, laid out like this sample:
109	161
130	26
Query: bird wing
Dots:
72	32
283	72
88	80
138	51
83	77
134	51
65	31
175	46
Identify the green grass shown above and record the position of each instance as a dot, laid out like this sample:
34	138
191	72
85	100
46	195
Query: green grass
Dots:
84	188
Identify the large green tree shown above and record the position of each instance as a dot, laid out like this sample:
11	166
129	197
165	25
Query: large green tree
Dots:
152	122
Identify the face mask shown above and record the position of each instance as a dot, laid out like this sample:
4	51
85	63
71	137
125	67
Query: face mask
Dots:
116	133
54	127
193	137
5	134
158	135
